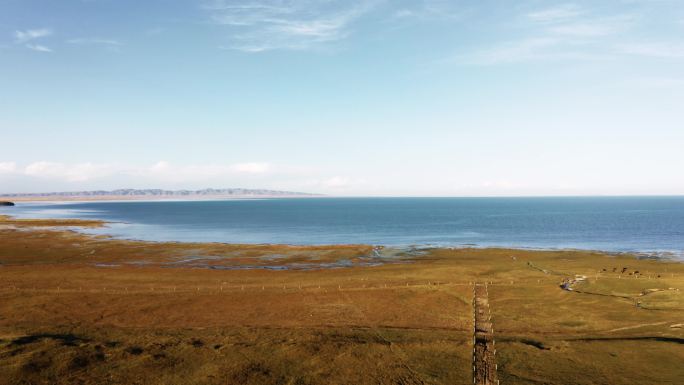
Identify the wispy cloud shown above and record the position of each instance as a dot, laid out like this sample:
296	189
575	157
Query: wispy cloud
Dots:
154	31
431	10
21	37
543	49
575	21
653	49
403	13
511	52
589	27
38	47
26	37
659	82
95	41
555	14
262	25
565	32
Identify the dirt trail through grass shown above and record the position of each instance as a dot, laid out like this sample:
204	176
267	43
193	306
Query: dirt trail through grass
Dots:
484	352
638	326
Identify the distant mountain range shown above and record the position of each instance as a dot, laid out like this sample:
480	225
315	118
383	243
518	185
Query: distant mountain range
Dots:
159	193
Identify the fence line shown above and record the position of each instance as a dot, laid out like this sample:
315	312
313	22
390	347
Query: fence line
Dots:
236	288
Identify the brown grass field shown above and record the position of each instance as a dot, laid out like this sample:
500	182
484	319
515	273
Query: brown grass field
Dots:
80	309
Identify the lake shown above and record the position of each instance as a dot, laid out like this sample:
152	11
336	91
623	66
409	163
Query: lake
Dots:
642	224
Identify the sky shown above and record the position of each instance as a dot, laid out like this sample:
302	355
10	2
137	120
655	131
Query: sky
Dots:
349	98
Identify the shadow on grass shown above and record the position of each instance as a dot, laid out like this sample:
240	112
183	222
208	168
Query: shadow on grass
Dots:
675	340
66	339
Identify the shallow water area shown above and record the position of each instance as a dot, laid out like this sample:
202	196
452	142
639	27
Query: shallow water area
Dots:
651	226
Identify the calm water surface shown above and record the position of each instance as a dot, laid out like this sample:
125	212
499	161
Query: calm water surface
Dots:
648	224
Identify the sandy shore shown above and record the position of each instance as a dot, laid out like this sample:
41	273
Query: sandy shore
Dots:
76	308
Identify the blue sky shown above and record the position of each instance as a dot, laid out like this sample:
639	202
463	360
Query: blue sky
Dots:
355	97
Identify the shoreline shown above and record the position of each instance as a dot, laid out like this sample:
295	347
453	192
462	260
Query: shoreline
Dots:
80	224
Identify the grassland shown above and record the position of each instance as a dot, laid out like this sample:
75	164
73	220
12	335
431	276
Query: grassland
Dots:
79	309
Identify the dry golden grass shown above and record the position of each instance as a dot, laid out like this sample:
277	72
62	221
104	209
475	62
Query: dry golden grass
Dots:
23	223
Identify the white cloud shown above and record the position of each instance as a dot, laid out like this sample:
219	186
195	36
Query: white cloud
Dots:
155	31
94	41
518	51
52	176
166	171
404	13
566	32
44	169
262	25
251	168
72	173
585	29
38	47
501	184
556	14
161	166
30	34
27	36
430	10
593	27
336	182
159	171
653	49
659	82
542	49
7	167
514	52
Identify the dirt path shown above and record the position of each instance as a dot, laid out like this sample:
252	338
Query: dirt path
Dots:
484	352
638	326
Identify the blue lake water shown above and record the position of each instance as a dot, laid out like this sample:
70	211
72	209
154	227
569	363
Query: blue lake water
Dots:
643	224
